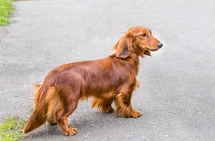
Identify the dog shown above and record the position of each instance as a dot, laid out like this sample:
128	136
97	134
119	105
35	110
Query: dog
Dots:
106	81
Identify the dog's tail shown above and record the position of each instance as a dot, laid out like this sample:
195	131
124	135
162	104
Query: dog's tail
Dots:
39	115
37	94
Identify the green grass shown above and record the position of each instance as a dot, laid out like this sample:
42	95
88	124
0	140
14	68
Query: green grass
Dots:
6	9
11	129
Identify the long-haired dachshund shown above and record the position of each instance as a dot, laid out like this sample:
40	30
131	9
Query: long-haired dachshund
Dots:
108	80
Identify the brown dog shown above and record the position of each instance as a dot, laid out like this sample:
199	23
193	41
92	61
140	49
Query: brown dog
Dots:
108	80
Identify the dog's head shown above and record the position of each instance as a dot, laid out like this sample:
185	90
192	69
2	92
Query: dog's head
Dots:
138	40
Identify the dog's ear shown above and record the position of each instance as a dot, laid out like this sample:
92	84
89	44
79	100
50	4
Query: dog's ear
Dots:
123	47
146	52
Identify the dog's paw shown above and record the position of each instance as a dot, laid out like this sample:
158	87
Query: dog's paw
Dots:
135	114
70	131
51	123
108	110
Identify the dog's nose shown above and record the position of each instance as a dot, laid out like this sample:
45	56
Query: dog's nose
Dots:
159	45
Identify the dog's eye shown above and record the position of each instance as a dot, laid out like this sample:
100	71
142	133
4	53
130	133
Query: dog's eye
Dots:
143	35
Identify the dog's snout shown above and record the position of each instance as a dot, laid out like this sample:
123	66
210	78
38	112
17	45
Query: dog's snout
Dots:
159	45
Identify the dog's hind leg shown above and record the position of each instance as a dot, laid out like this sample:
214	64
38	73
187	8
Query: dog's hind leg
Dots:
62	122
69	102
54	105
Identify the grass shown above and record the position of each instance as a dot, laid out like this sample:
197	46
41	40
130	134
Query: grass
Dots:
6	10
11	129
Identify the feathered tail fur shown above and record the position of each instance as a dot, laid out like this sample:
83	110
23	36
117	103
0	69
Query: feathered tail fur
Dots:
39	115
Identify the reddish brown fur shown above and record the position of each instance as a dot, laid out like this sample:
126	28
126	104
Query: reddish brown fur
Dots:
108	80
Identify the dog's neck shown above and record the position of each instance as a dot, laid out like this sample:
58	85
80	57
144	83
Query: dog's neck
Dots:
132	60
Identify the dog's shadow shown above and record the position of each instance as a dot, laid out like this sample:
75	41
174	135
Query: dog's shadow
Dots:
83	121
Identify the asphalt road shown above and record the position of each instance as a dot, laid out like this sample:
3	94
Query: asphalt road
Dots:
177	84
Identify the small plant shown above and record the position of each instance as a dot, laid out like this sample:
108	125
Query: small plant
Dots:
11	129
6	9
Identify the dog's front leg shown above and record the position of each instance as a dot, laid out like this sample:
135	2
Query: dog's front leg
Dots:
123	105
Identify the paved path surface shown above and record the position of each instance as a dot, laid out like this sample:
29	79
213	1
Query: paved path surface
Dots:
177	92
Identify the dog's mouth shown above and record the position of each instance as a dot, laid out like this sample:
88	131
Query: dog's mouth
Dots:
152	49
148	48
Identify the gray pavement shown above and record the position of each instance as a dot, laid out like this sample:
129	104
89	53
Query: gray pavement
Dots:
177	84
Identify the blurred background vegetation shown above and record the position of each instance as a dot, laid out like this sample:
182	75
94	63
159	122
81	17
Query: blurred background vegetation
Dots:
6	10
